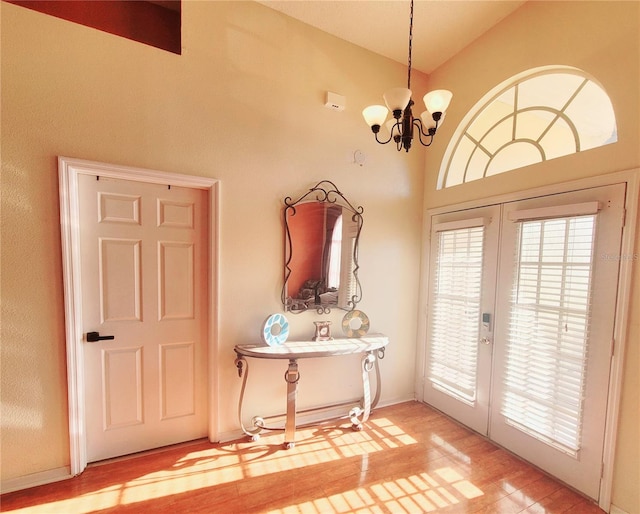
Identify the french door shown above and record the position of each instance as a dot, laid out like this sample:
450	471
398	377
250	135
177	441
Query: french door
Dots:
521	306
464	257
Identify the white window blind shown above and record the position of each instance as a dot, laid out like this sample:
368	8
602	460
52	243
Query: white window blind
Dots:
548	330
455	312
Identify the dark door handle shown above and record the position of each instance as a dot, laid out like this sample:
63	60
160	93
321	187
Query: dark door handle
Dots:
92	337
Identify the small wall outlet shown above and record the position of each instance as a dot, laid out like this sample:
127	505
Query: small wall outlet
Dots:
335	101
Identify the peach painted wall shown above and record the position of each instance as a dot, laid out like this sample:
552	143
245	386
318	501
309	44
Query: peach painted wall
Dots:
244	104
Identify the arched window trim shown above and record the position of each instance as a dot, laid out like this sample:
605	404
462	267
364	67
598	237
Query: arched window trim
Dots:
534	142
461	132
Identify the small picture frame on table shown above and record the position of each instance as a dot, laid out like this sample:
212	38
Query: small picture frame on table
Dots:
323	331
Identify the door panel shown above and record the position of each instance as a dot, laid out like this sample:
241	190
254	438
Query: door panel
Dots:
177	276
120	280
178	394
144	262
462	268
557	420
122	387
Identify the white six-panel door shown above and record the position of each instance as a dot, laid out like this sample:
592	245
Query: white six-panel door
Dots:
144	281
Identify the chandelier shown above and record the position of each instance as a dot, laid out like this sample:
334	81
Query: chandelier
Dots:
403	125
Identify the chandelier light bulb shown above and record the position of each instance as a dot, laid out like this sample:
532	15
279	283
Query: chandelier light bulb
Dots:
438	100
375	115
397	98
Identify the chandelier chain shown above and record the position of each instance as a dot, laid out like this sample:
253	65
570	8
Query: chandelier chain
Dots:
410	45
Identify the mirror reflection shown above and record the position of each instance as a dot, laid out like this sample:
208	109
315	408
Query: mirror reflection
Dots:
321	262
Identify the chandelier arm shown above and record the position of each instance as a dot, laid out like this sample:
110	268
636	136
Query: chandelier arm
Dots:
383	142
437	120
430	133
396	133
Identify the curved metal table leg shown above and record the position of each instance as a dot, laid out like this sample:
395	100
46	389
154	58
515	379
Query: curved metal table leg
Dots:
359	415
258	422
376	398
291	377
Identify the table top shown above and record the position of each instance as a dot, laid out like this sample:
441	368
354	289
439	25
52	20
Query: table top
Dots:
308	349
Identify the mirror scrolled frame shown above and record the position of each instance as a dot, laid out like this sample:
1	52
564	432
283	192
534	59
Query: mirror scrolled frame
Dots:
303	289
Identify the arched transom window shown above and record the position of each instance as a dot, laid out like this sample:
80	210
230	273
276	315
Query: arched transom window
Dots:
536	116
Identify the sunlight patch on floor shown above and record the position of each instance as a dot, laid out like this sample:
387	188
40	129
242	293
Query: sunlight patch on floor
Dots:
98	500
311	450
234	462
426	492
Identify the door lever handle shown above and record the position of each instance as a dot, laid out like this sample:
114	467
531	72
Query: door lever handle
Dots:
92	337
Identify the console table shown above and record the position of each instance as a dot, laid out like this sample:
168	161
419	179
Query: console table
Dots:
371	347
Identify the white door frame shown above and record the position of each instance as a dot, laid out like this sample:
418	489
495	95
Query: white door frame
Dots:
69	169
623	301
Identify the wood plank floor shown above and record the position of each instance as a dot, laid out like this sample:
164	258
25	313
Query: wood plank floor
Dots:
409	458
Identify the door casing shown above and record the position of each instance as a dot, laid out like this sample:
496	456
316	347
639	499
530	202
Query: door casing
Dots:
623	301
68	170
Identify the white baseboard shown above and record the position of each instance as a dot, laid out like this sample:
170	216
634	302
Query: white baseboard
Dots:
396	401
232	435
616	510
35	479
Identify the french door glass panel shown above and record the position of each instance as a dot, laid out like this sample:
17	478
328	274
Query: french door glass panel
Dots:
463	262
542	361
456	310
548	326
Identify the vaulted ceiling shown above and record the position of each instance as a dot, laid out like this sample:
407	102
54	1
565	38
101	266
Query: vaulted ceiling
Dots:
441	28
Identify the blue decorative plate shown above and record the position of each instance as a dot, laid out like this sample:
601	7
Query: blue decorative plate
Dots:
275	330
355	324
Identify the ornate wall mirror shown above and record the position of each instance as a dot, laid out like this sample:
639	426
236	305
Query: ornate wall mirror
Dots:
322	230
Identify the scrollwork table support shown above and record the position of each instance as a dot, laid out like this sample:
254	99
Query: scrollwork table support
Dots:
371	347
